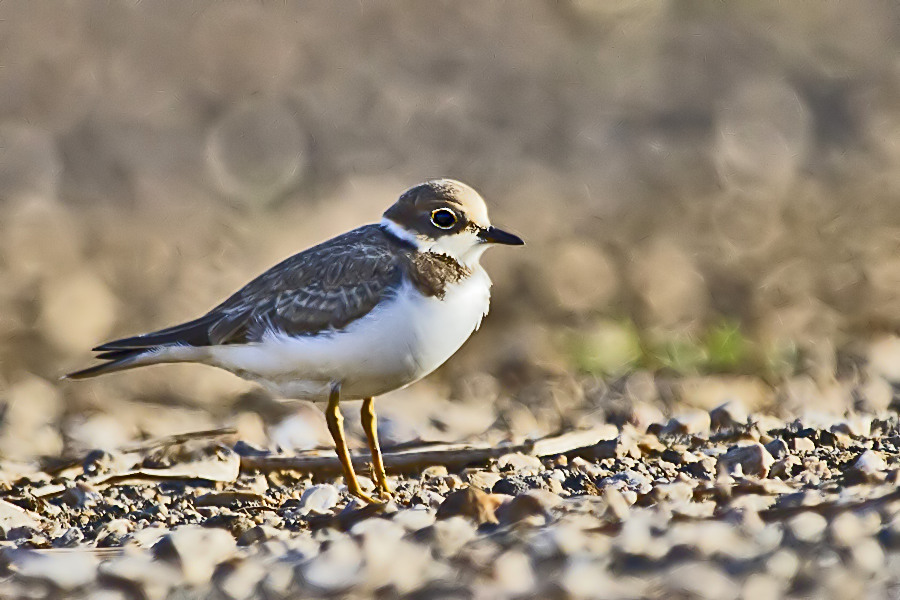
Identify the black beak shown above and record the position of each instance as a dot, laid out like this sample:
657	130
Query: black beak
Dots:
492	235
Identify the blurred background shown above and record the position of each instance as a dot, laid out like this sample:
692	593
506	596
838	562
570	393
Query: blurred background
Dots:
709	192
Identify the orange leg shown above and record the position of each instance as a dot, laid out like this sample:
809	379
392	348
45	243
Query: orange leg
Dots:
335	421
370	425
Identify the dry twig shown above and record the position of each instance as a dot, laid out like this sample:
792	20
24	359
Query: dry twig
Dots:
452	456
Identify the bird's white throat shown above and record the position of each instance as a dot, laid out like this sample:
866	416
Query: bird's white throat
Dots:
464	247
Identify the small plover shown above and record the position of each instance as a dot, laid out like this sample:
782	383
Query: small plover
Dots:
367	312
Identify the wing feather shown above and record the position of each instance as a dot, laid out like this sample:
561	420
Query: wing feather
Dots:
323	288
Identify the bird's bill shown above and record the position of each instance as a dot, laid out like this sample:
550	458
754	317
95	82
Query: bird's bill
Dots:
492	235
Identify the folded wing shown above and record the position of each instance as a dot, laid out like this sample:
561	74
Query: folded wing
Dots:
323	288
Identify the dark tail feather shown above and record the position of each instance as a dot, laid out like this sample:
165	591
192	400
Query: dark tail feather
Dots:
116	361
152	348
193	333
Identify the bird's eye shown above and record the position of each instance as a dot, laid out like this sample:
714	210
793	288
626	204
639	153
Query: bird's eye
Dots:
443	218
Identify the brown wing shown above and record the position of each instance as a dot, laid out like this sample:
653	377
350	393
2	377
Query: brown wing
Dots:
323	288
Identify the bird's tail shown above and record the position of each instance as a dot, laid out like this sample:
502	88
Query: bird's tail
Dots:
181	343
122	360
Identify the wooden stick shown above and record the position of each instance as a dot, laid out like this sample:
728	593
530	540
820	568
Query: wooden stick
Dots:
453	456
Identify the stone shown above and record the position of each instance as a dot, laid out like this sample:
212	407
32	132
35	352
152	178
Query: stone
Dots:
69	539
778	448
230	499
278	580
375	532
867	556
80	495
802	444
761	586
648	443
691	422
629	479
858	426
447	536
521	464
583	577
513	573
533	503
644	414
12	516
196	550
112	532
65	571
700	580
849	528
511	486
729	414
870	466
338	567
414	519
483	480
835	439
434	471
783	564
471	503
807	527
678	491
240	580
622	445
785	467
399	564
319	499
751	459
257	534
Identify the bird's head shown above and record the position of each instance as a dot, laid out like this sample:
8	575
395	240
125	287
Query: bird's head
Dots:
446	217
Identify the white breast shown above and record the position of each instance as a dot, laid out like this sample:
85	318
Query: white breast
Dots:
394	345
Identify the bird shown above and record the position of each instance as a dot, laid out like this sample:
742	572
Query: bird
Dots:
367	312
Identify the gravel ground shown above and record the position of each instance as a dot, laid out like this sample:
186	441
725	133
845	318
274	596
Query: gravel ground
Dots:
671	165
716	505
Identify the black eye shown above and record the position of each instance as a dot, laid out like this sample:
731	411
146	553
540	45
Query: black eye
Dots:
443	218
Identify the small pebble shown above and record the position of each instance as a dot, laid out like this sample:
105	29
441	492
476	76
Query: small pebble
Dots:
65	570
533	503
728	415
751	459
319	499
778	448
692	422
471	503
803	445
336	568
807	527
870	466
197	550
522	464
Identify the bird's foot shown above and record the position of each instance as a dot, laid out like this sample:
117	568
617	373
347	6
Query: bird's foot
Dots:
359	493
